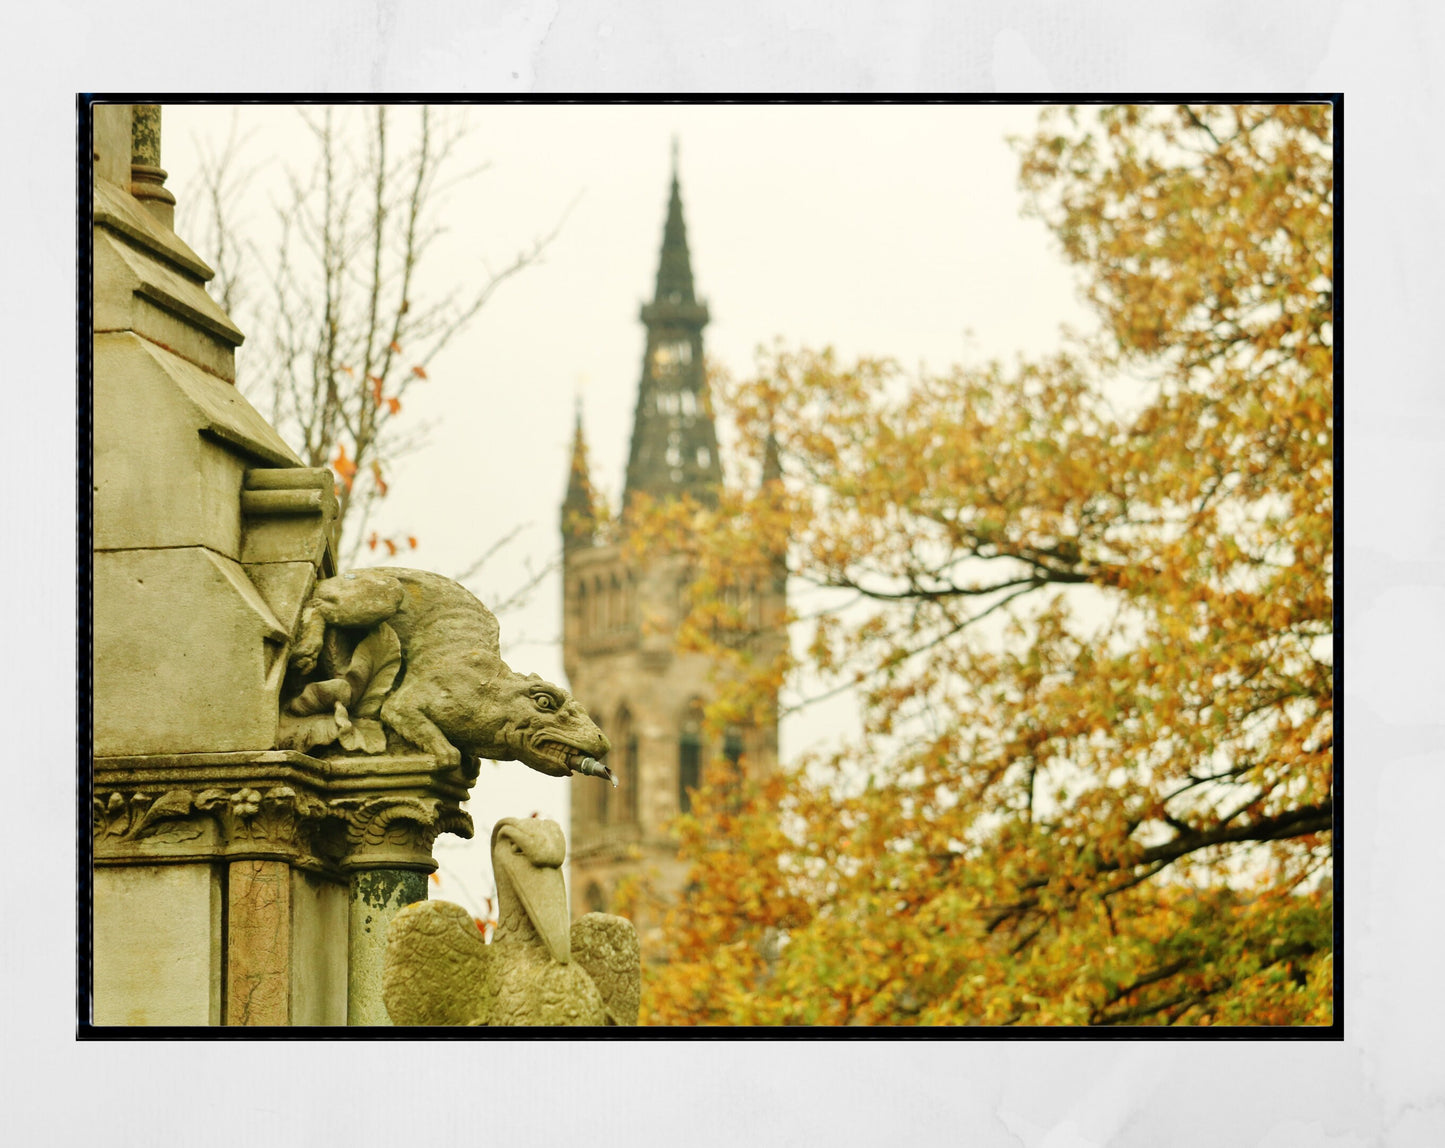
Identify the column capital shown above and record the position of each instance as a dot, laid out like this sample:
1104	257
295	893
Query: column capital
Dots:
333	815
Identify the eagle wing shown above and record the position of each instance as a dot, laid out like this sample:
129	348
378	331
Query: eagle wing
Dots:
606	947
437	970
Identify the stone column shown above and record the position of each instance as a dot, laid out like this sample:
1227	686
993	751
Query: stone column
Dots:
394	807
377	895
258	949
257	888
147	178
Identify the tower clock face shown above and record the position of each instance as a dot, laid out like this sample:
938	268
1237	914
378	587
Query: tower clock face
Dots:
672	356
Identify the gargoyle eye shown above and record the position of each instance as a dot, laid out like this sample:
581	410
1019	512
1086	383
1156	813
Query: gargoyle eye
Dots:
545	701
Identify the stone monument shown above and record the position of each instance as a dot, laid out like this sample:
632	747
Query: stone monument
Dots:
275	747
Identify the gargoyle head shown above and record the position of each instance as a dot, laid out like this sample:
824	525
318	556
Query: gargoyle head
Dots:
542	726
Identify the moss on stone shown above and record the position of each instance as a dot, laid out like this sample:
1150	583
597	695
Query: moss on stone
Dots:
379	888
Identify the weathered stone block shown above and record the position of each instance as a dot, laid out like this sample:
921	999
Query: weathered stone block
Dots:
285	586
157	945
289	515
112	143
172	446
188	656
139	293
258	948
319	924
117	210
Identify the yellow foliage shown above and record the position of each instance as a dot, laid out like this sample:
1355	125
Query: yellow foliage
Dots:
1091	630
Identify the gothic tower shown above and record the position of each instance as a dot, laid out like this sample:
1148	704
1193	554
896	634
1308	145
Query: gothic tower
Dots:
620	618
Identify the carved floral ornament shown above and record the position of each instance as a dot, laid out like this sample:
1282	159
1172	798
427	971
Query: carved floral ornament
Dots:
279	818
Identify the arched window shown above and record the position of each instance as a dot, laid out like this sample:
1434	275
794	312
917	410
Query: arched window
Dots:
596	899
584	607
614	605
599	606
624	747
689	755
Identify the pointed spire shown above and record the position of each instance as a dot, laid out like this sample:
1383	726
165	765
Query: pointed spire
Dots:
674	439
579	507
674	269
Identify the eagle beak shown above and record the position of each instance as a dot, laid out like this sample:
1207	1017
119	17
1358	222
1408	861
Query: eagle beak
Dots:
544	897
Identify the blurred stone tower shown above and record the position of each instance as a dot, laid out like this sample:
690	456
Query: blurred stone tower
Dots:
620	619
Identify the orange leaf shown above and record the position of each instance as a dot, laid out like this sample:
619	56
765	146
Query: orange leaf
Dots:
418	372
395	346
381	486
348	370
371	542
394	404
411	539
390	547
375	388
343	465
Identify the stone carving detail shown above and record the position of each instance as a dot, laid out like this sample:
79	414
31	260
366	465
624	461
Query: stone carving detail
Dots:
355	812
279	817
275	816
416	654
411	823
143	815
536	971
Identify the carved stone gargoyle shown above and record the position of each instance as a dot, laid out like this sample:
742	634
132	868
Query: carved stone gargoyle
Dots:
417	654
536	971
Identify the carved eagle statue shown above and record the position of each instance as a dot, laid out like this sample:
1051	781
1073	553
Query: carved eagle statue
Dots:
536	971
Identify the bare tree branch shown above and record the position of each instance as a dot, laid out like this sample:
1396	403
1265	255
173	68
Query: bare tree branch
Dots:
350	314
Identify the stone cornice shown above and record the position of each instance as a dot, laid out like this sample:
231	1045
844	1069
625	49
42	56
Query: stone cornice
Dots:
329	815
118	210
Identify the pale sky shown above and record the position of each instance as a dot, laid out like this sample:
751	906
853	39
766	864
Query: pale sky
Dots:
880	230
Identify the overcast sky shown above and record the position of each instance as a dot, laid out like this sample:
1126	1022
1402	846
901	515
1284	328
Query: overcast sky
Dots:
886	230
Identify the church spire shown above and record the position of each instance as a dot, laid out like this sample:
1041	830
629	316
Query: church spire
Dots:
674	440
579	507
674	269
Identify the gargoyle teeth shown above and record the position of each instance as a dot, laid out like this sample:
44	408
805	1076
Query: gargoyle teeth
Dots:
556	751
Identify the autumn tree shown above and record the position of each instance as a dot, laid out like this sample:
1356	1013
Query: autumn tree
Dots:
345	315
1086	604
